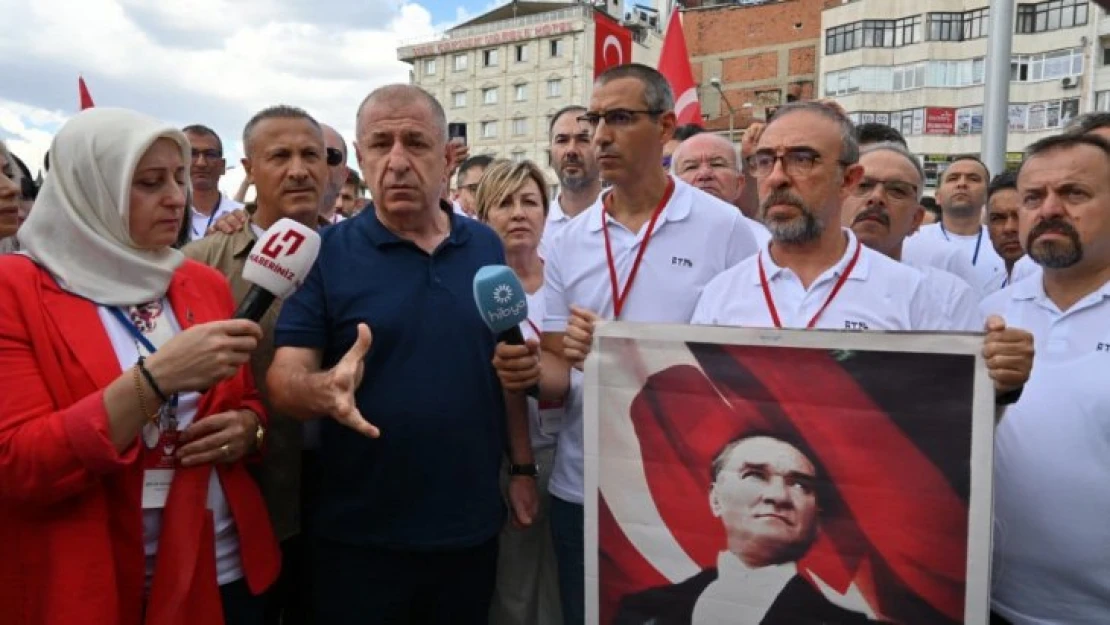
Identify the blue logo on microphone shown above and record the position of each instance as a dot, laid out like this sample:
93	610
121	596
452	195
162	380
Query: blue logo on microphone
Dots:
500	298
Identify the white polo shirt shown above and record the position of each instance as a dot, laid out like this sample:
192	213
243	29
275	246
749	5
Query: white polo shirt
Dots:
978	264
1023	268
543	425
198	227
1051	559
556	221
696	237
760	231
879	294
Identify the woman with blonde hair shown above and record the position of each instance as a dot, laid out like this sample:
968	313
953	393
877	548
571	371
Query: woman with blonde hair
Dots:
126	416
512	199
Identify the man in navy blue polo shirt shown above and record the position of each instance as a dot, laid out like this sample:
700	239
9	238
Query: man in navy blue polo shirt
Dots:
384	338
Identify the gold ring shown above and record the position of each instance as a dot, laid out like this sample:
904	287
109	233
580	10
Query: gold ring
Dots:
226	449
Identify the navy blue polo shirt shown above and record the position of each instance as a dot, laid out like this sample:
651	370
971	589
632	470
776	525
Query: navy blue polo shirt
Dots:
431	480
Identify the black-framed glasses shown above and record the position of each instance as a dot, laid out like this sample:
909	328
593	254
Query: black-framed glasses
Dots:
209	155
895	189
615	117
795	162
335	157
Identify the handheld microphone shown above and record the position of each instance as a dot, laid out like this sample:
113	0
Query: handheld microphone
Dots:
502	303
277	265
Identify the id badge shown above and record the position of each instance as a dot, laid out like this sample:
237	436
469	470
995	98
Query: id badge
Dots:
158	469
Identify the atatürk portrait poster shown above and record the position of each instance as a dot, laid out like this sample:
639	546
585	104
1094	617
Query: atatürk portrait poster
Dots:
785	477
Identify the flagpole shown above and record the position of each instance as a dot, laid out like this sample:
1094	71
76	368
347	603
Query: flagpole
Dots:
996	85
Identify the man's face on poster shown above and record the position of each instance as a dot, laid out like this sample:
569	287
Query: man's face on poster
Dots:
764	493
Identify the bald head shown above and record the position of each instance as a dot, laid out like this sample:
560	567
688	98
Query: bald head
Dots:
709	162
398	99
333	139
337	172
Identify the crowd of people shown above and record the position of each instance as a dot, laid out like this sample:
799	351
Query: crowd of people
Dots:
368	452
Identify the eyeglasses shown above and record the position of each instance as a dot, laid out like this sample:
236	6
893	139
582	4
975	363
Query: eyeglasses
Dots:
895	189
335	157
615	117
795	162
667	161
209	155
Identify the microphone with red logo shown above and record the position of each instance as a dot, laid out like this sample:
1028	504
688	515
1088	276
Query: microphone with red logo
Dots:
277	266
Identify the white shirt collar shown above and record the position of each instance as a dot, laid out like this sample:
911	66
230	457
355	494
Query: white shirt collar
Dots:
859	272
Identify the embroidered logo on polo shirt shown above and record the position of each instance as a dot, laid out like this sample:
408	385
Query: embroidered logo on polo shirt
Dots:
1103	347
681	262
855	325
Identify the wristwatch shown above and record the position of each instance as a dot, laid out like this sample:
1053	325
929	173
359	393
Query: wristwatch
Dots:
1009	397
527	470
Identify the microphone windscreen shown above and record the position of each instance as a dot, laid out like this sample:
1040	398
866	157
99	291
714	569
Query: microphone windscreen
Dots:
282	257
500	298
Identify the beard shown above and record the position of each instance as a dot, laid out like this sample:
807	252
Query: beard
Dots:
579	181
1054	254
801	229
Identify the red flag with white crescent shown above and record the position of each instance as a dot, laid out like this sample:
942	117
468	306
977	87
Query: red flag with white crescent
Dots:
674	64
612	43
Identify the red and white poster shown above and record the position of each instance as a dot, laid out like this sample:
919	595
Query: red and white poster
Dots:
940	121
612	43
786	477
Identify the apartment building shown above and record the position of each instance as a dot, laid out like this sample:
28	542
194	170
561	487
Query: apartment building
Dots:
919	67
504	73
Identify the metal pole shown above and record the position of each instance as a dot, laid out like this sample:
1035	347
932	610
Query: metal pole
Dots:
731	111
996	85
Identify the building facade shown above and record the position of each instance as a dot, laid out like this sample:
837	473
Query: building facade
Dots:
506	72
762	54
919	67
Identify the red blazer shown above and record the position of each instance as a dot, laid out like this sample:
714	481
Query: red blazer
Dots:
70	505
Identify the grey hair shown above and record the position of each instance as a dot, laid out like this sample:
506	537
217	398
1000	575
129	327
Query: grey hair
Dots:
657	91
1082	124
281	111
735	149
849	146
903	151
402	95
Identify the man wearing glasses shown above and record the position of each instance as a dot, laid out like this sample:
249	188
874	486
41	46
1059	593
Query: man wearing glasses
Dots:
815	274
885	208
641	252
207	168
337	175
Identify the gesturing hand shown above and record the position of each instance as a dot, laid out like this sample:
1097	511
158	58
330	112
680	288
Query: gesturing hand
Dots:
344	379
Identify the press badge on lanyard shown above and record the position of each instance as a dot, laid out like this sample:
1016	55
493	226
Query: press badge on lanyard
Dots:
551	412
160	436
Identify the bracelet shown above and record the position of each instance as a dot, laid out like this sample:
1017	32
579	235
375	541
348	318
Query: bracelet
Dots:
150	380
150	416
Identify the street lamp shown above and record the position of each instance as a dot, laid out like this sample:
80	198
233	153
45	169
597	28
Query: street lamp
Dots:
716	82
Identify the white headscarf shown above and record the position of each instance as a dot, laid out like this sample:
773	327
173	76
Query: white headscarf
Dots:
79	230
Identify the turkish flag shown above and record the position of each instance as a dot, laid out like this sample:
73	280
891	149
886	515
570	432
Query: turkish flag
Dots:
674	64
83	93
612	43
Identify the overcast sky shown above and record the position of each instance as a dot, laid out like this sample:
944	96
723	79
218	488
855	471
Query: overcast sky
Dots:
214	62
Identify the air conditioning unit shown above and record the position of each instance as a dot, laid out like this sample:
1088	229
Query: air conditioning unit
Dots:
1071	82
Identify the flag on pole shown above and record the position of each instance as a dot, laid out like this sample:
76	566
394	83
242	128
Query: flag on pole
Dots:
674	64
86	100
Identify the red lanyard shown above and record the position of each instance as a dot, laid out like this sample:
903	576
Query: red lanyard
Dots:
534	328
832	294
622	295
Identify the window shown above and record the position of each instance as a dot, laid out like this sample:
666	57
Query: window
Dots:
1046	66
460	62
521	93
554	87
489	130
519	157
958	26
1102	101
430	67
1105	54
522	53
489	58
873	34
556	47
458	99
520	127
1051	15
489	96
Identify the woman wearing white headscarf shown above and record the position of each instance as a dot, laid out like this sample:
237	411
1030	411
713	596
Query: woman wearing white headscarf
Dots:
126	416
